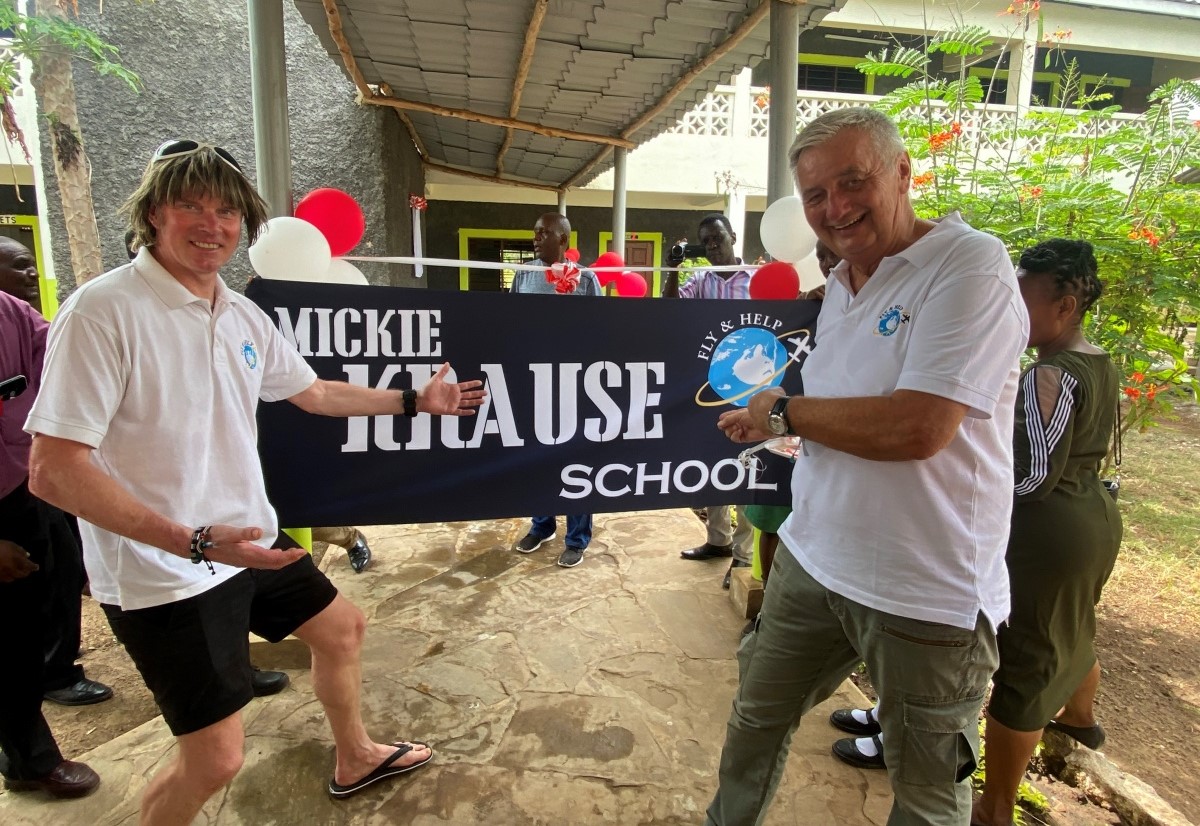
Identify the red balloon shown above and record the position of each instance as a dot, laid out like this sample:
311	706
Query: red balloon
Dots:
337	215
572	255
630	285
608	259
775	280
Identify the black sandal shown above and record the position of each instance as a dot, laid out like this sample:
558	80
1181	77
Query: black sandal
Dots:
382	771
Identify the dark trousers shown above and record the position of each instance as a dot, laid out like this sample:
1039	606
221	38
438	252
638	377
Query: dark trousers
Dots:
27	748
63	614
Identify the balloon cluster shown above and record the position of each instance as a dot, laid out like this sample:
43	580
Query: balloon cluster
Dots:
328	223
787	237
629	284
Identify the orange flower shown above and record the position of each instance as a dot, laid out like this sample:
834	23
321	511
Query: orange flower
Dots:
1022	7
939	140
924	179
1150	391
1133	392
1138	377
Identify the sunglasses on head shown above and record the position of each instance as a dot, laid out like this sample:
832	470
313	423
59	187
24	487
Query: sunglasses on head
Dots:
183	148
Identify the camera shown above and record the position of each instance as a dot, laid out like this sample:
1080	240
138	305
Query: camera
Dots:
1113	486
680	252
12	387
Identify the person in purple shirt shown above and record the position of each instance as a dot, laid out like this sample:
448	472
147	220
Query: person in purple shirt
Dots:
36	547
717	237
63	680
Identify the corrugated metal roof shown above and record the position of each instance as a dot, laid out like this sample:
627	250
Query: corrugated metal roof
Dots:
597	67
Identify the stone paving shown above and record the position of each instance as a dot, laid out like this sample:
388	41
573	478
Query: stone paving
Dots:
597	694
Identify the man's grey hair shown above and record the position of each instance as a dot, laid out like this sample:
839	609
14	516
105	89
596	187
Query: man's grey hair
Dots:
879	127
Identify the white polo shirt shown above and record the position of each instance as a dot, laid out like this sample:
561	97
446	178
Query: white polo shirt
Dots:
921	539
165	389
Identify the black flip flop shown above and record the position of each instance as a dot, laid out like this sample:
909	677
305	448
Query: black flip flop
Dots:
381	772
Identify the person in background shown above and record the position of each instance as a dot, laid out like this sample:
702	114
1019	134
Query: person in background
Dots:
551	239
724	539
1066	528
63	679
38	556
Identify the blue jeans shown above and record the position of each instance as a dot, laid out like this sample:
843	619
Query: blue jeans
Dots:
579	529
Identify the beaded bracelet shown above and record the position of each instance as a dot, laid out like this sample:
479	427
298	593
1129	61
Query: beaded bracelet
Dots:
201	542
409	398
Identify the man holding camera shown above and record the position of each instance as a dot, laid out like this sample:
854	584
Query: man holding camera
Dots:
716	238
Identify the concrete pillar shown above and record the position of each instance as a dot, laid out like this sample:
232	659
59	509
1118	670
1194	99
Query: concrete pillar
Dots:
739	126
1021	67
618	217
735	210
562	202
785	48
268	86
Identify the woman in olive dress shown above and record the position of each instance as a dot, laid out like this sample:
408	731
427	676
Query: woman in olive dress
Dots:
1065	526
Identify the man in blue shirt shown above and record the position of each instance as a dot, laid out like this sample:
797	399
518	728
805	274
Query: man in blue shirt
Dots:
551	237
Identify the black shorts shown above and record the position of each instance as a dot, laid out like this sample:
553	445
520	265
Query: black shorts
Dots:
195	654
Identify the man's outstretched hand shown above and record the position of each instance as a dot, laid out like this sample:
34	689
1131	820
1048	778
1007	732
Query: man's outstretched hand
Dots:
442	398
237	547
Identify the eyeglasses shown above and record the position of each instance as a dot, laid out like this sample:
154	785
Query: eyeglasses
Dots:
183	148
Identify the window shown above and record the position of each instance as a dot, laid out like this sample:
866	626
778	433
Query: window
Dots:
843	79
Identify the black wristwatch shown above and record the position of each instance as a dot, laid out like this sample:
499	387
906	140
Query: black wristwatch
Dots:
410	403
777	420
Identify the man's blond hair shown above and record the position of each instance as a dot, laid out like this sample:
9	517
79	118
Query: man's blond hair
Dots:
197	174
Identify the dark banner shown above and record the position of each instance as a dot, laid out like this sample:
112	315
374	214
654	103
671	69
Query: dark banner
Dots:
596	404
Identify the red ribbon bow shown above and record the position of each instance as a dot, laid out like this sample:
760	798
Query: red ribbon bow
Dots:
564	276
417	202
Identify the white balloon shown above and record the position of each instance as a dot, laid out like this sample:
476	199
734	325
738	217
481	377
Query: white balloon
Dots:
342	271
785	232
290	249
810	272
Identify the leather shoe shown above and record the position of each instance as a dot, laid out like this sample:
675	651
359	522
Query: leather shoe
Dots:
69	779
737	563
707	551
844	719
267	683
847	751
83	693
360	554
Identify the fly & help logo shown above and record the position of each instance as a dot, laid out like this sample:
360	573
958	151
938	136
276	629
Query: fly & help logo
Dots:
747	355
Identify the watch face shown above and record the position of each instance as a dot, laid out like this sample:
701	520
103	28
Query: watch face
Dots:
777	424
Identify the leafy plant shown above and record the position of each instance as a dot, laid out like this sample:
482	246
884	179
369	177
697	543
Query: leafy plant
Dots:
1071	170
30	36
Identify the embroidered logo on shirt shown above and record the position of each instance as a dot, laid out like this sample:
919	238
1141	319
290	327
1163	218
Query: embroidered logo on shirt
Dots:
891	319
249	354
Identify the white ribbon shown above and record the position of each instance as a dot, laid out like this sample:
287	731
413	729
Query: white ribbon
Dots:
418	261
498	265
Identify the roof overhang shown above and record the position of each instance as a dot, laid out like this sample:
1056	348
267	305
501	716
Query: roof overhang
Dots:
538	93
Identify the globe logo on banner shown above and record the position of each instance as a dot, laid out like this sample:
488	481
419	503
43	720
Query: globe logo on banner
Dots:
744	362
